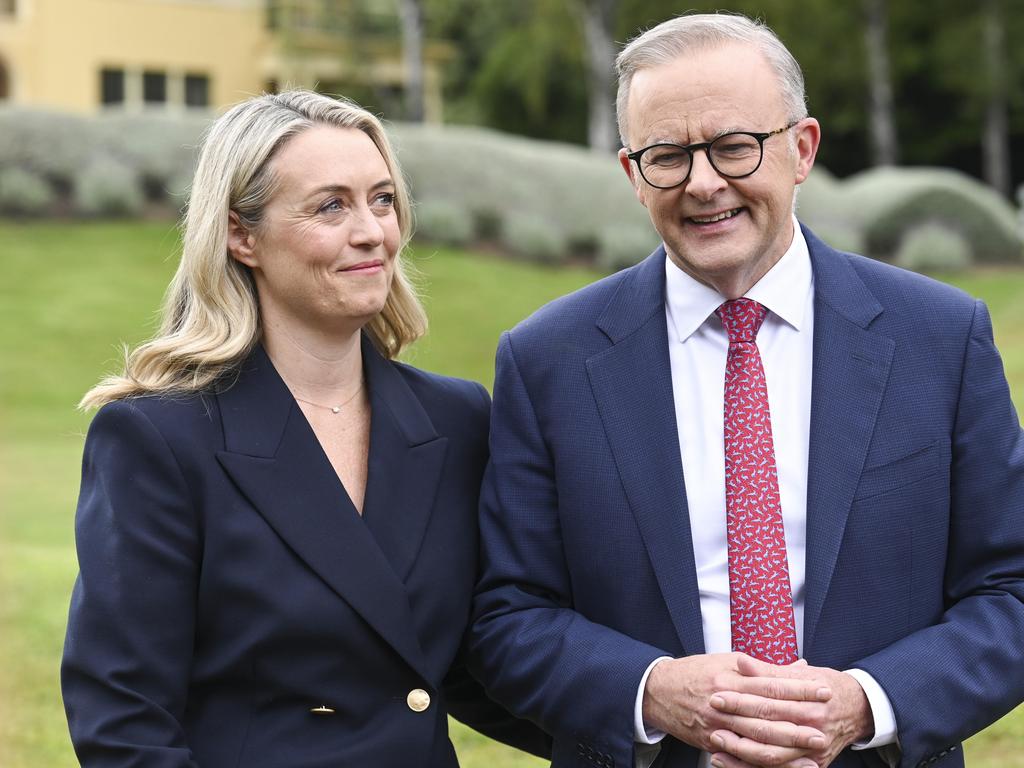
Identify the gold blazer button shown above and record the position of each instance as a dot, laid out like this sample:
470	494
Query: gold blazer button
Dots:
418	700
322	710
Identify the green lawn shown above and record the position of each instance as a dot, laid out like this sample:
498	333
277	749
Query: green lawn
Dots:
70	294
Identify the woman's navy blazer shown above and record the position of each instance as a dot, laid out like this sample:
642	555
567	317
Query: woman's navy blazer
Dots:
234	610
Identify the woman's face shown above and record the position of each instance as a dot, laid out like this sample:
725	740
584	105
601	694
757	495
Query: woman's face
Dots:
324	254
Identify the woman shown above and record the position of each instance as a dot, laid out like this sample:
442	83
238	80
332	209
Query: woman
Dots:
277	522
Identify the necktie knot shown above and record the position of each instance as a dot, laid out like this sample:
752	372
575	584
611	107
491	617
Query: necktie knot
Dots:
742	319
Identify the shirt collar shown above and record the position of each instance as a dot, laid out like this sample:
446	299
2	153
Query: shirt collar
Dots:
784	290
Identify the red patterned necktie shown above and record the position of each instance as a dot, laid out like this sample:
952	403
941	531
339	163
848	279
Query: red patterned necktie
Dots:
760	597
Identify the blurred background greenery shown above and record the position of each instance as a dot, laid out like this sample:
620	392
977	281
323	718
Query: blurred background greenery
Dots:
502	115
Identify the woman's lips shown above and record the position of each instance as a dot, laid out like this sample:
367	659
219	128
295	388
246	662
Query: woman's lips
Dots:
365	266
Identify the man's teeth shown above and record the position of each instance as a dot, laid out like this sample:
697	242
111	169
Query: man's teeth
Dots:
716	217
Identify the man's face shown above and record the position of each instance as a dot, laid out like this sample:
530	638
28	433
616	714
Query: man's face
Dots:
724	232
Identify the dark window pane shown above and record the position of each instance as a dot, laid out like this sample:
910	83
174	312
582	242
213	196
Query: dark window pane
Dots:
197	91
112	86
154	87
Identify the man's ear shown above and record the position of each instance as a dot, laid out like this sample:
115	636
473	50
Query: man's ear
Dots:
241	243
634	177
807	139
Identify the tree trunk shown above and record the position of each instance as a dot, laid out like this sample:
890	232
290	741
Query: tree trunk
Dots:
412	59
602	133
884	146
995	140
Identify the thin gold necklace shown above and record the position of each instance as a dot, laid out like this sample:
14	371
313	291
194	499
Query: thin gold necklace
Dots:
332	408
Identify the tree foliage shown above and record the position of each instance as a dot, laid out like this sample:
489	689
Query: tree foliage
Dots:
520	67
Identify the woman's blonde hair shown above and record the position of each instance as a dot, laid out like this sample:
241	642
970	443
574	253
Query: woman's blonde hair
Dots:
210	316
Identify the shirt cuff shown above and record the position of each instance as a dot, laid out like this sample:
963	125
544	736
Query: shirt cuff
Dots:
640	733
881	712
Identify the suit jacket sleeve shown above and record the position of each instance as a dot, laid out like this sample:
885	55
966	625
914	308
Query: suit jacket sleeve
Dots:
950	680
125	672
535	653
466	698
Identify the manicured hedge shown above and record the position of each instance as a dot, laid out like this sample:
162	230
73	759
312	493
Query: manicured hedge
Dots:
532	199
888	203
536	199
111	165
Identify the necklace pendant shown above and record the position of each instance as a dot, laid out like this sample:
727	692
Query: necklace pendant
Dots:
336	409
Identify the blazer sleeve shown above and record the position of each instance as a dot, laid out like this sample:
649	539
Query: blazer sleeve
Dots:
465	697
536	655
469	703
950	680
125	672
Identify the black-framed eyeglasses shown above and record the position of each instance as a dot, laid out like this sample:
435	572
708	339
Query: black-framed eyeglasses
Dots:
732	155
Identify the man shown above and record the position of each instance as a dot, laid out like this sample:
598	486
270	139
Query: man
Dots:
749	449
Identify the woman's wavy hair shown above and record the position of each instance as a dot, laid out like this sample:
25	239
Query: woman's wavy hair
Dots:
210	318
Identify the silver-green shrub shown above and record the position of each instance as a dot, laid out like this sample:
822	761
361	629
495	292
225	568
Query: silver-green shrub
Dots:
619	247
887	203
161	148
553	192
533	238
70	151
108	186
55	145
443	222
934	247
24	193
821	205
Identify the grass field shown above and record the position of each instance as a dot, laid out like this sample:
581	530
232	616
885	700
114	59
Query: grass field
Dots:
70	294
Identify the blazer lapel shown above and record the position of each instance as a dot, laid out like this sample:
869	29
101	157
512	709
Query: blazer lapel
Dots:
632	384
406	461
276	461
850	371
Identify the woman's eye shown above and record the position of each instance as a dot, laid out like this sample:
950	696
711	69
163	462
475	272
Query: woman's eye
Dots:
385	199
331	206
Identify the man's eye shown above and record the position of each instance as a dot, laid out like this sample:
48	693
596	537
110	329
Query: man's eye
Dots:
734	147
667	158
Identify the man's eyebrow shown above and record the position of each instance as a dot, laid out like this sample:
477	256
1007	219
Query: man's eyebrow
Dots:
717	134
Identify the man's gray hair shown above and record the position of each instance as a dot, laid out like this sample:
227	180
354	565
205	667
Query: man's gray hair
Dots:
696	32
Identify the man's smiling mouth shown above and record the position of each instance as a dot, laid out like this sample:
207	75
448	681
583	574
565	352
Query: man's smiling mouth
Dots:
715	217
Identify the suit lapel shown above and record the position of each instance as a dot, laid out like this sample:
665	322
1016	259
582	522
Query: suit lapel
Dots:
276	461
406	460
850	371
632	384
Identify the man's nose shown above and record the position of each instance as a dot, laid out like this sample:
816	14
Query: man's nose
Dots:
704	181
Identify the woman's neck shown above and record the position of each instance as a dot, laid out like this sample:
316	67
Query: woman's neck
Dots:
318	367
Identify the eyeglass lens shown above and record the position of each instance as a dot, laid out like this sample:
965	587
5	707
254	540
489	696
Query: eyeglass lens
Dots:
734	155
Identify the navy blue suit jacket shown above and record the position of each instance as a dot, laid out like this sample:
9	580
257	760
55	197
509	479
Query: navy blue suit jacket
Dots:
228	586
915	511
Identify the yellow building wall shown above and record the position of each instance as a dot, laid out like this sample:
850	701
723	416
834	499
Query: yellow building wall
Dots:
55	49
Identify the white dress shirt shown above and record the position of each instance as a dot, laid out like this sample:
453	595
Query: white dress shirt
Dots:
698	347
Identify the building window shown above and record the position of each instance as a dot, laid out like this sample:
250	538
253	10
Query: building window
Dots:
111	86
197	91
154	87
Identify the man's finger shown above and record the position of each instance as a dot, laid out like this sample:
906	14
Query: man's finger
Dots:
761	707
754	752
725	760
776	733
789	689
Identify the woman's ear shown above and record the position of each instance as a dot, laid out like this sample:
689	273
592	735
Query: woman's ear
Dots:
241	243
